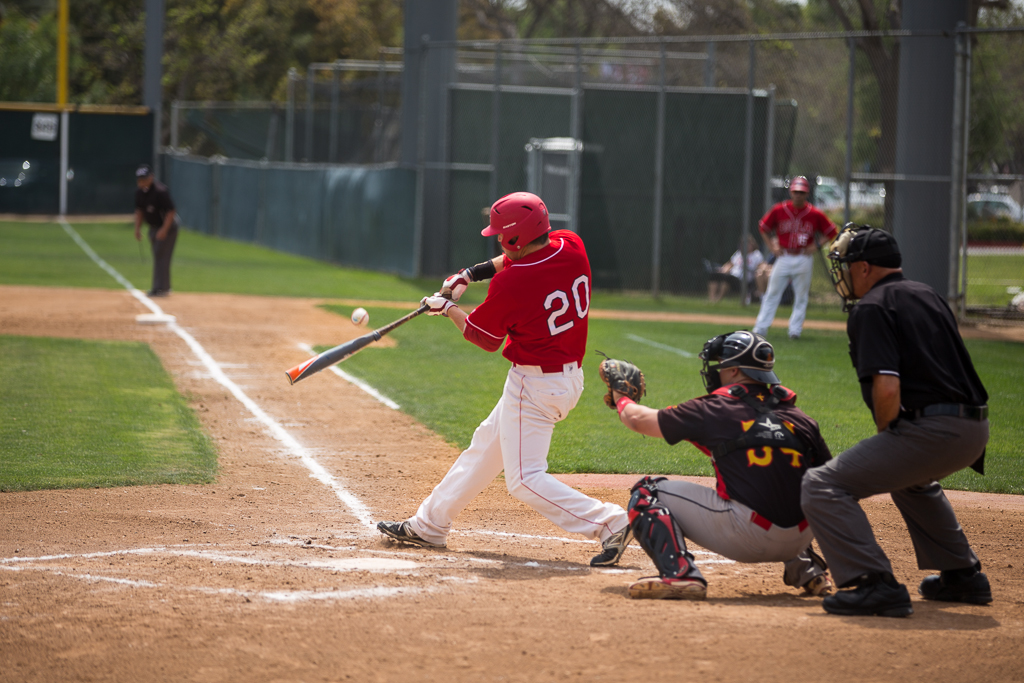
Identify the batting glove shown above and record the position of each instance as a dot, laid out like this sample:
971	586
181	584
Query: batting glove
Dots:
438	304
456	284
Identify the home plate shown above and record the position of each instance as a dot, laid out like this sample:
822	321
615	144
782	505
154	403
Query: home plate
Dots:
154	318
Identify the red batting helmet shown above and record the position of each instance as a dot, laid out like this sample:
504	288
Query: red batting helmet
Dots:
518	219
799	184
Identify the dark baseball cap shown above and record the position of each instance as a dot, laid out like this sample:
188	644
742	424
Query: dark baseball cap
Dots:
873	246
143	170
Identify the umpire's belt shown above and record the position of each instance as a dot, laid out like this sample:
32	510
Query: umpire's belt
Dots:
978	413
766	523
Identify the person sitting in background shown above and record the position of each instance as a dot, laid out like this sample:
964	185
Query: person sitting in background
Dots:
729	276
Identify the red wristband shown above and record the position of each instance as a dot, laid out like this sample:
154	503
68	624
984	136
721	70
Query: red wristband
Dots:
621	404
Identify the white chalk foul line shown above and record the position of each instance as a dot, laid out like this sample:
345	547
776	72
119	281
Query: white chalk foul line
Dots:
317	471
659	345
355	380
356	506
272	596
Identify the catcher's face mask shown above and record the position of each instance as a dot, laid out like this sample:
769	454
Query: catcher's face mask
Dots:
749	352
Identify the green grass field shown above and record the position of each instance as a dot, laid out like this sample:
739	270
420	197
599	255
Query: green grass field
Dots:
990	276
69	418
451	385
43	254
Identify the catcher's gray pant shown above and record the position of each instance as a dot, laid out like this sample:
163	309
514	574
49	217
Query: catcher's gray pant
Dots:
907	461
725	527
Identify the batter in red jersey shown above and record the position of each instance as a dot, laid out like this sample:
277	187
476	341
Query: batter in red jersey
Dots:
792	229
537	304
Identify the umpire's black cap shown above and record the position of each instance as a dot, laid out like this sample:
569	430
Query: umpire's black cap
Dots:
873	246
143	170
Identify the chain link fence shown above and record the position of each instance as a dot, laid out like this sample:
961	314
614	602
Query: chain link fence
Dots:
993	272
664	153
342	112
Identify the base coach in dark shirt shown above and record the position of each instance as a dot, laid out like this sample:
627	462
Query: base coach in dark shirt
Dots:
153	205
929	407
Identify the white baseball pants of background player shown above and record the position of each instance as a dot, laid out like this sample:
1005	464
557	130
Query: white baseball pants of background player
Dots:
795	268
516	437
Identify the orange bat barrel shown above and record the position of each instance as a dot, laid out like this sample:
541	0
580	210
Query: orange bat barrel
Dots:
343	351
330	357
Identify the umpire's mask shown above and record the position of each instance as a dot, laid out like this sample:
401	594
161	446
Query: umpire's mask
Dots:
859	243
749	352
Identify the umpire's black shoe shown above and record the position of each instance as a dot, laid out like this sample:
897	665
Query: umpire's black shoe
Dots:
874	594
959	585
612	548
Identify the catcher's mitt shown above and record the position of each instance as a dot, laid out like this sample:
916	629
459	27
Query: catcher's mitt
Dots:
623	377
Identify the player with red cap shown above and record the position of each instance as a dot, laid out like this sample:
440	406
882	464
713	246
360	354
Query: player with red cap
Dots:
537	304
792	229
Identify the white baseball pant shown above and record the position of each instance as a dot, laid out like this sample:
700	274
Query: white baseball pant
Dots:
516	437
795	268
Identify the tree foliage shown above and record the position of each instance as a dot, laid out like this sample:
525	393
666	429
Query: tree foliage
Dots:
243	49
27	59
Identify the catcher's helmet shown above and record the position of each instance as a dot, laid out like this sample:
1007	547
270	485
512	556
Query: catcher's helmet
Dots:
859	243
518	219
749	352
799	184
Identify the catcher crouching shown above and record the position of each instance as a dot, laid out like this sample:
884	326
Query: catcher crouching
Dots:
760	443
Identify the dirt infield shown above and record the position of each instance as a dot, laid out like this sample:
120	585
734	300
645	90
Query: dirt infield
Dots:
274	574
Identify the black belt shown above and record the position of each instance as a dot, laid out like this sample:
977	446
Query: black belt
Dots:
978	413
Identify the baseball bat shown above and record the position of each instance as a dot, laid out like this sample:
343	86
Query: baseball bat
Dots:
343	351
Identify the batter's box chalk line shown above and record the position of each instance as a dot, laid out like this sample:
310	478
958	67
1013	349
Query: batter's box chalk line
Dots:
273	427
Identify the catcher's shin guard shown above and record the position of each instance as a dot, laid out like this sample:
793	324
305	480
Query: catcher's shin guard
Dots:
658	534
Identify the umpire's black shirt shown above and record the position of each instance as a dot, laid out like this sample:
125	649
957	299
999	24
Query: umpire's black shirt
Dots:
155	203
904	328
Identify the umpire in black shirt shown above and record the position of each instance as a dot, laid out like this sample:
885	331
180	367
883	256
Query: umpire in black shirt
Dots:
153	204
929	408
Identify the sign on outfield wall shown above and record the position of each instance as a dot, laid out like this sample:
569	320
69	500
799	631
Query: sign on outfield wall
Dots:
44	127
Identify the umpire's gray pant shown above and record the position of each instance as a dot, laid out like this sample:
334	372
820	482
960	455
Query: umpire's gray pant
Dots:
906	461
163	250
725	527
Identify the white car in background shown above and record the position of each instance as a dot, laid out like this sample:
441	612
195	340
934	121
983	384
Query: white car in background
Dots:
830	194
993	205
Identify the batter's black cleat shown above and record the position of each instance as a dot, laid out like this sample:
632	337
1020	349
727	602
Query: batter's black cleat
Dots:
959	585
403	533
612	548
874	595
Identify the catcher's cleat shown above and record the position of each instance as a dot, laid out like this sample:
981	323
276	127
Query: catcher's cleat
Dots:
948	587
612	548
819	586
658	588
403	533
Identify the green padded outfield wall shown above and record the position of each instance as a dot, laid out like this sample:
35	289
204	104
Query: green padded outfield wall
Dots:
523	116
103	151
358	216
702	175
39	191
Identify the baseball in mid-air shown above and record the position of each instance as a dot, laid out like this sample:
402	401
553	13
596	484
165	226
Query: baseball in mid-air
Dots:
360	317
